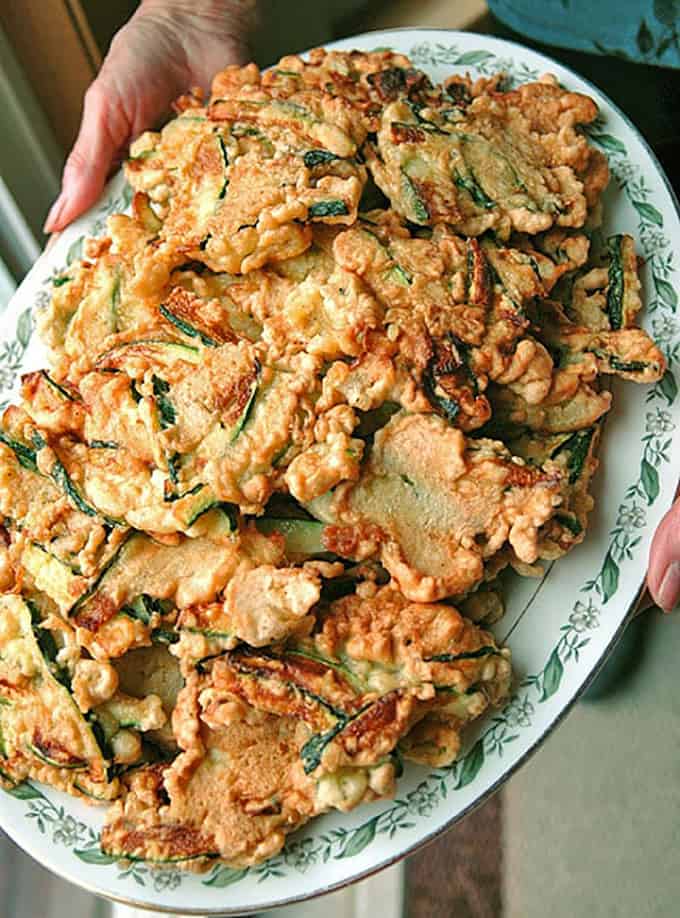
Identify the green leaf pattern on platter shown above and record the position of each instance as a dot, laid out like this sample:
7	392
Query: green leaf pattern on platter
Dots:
608	143
552	675
25	327
357	841
472	765
304	851
666	292
94	855
668	387
224	876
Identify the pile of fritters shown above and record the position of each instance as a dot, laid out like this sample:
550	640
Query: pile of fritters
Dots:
338	368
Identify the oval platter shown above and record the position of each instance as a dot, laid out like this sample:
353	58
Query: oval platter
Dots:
560	628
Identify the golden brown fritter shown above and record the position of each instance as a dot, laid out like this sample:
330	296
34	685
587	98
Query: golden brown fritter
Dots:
498	162
374	667
626	352
247	760
456	310
43	734
169	812
367	80
171	428
575	454
236	185
434	506
63	719
111	291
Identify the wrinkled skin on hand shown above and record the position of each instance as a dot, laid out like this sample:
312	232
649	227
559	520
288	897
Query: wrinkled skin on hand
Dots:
167	48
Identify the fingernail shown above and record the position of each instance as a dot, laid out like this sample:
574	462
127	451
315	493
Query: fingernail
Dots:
54	214
669	590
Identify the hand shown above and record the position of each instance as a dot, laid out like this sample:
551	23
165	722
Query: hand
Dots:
663	577
167	48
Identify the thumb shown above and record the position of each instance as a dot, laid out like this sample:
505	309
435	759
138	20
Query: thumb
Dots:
663	576
104	131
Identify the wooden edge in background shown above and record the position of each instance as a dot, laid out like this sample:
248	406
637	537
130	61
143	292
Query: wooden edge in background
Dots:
56	49
82	26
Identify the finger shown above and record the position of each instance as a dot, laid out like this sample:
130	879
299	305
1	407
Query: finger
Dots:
663	577
104	130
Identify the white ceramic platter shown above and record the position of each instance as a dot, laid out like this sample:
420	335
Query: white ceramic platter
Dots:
560	628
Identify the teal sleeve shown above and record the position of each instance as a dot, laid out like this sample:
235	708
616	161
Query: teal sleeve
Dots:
639	30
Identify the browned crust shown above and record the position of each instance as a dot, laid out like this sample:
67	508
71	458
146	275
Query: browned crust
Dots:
407	133
98	610
233	397
187	306
164	841
479	279
54	750
353	541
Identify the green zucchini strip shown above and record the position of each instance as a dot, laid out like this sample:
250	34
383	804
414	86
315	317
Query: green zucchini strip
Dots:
317	157
57	388
178	349
475	190
245	414
94	586
578	447
63	481
302	537
468	655
418	205
25	455
327	209
225	160
186	328
615	288
166	410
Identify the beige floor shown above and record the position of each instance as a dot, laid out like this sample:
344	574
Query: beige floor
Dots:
592	823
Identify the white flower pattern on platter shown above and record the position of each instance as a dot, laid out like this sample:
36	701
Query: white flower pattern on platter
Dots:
585	617
631	518
659	422
519	713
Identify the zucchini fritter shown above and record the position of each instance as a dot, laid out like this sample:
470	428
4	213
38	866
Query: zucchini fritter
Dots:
291	734
44	734
248	761
433	506
376	664
237	184
482	166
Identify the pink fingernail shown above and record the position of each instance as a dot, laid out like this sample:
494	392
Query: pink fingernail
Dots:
669	590
54	214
